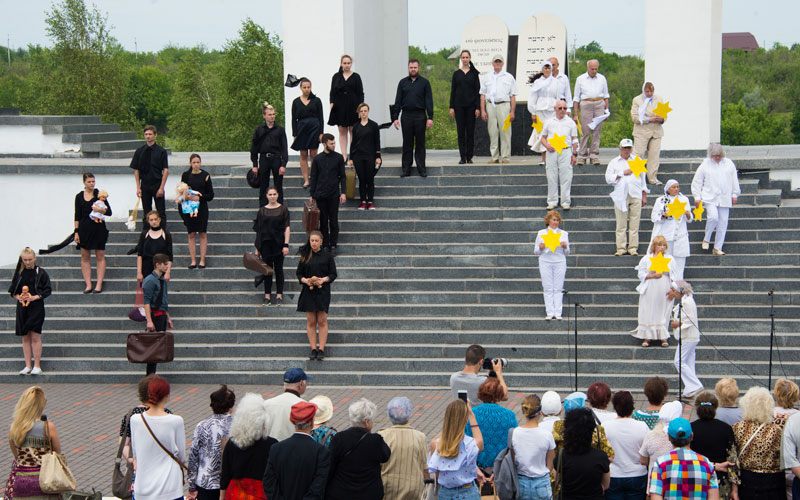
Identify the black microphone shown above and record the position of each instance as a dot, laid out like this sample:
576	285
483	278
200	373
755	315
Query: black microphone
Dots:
771	292
580	306
564	292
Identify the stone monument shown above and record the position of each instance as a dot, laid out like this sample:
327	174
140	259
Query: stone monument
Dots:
485	36
541	37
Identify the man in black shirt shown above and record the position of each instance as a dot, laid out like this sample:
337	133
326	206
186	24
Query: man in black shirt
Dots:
327	187
150	170
269	153
415	99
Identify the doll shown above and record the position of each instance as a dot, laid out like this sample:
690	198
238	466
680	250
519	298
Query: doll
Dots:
97	216
188	207
25	296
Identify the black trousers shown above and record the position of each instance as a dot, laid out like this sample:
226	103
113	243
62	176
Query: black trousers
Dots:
365	169
148	196
465	128
204	494
412	124
267	165
329	220
160	322
276	262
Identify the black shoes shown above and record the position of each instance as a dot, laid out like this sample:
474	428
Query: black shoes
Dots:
313	355
462	161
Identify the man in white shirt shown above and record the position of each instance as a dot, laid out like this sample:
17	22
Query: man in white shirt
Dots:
295	383
591	99
626	435
630	193
498	101
559	165
716	185
564	91
647	130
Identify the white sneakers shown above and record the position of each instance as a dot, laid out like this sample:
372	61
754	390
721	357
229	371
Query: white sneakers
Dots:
25	371
28	371
705	245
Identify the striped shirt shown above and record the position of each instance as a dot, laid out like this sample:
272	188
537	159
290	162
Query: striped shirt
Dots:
402	475
684	474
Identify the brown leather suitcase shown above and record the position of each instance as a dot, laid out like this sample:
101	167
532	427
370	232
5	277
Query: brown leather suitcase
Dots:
310	216
350	183
151	347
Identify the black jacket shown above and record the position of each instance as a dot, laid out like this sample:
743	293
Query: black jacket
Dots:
465	89
42	285
413	95
297	469
356	458
150	173
269	140
327	175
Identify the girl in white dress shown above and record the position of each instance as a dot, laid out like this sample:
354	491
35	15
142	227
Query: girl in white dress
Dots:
654	305
552	265
541	99
674	231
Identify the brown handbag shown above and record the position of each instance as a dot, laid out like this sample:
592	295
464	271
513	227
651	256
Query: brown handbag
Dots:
253	262
151	347
310	215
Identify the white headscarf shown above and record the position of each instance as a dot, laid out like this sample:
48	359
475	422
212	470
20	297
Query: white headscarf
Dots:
669	412
668	185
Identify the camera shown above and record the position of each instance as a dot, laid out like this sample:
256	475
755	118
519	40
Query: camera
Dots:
487	363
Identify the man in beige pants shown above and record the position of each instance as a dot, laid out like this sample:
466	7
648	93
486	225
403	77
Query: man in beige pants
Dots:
647	130
591	99
629	194
498	101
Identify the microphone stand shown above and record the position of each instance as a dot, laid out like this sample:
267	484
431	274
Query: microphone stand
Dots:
680	348
771	294
576	343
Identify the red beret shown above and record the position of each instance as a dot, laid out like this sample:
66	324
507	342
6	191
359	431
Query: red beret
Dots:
302	412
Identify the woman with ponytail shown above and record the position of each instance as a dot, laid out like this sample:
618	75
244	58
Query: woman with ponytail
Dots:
534	451
29	287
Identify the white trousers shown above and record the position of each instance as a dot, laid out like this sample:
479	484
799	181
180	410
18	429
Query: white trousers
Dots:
552	274
716	219
685	359
559	174
678	265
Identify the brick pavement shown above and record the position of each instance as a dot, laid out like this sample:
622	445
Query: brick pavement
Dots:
88	417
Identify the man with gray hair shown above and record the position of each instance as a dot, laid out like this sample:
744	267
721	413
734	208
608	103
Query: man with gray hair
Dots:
405	473
685	327
716	186
591	99
278	408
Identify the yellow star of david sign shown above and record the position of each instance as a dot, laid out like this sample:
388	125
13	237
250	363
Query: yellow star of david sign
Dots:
552	240
698	212
676	208
537	125
662	109
559	142
659	263
507	123
637	165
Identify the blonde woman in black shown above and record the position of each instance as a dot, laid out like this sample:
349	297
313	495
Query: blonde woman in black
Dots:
29	287
316	270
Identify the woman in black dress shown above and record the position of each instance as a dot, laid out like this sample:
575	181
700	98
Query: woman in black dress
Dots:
347	92
272	244
365	155
465	105
198	180
316	270
307	125
90	234
29	287
153	240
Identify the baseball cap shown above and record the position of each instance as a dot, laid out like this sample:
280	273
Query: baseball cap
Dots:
547	63
679	428
294	375
498	57
626	143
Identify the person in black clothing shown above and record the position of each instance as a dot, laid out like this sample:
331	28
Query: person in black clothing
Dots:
269	153
91	234
327	188
307	125
365	155
150	170
356	457
199	180
415	99
585	472
154	239
712	438
272	244
465	105
316	270
30	307
347	92
156	301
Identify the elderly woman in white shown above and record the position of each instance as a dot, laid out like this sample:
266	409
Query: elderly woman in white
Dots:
715	185
685	326
654	302
674	231
543	94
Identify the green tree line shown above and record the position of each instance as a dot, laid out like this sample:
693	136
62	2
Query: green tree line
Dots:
204	99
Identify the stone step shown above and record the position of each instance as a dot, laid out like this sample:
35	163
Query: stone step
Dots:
100	137
97	147
80	128
125	153
48	119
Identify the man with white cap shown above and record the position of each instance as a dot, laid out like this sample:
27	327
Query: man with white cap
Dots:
629	194
278	408
498	102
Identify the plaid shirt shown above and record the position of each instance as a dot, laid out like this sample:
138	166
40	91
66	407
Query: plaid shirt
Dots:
682	473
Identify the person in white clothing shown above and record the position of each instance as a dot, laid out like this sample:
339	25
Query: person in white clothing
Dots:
541	100
654	304
716	185
551	410
629	194
159	475
647	130
498	101
591	99
279	408
559	165
685	326
534	451
552	265
564	91
674	231
626	435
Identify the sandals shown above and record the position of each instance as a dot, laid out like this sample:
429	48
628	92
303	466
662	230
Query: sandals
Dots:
664	343
646	344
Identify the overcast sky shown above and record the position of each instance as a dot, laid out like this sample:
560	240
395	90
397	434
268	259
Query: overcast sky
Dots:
149	25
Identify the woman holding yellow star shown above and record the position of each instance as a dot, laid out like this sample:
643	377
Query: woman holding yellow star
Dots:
670	214
655	274
552	247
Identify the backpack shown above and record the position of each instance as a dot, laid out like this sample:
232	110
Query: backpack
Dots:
506	482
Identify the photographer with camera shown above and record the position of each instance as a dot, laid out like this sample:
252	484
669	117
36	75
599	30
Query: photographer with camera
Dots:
469	378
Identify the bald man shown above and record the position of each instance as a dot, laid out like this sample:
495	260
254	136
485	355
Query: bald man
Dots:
591	100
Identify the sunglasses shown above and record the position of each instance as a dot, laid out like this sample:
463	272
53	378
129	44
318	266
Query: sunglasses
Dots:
561	107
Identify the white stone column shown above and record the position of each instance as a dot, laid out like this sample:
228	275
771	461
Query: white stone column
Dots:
374	32
683	59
